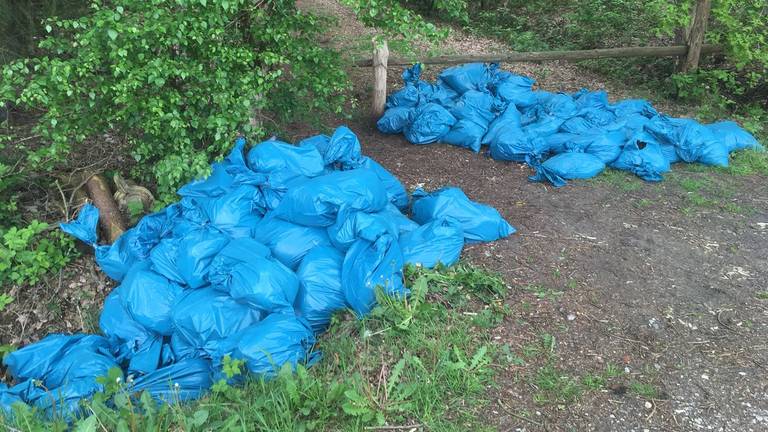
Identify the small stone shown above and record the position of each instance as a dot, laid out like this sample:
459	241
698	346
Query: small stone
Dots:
704	376
648	405
571	317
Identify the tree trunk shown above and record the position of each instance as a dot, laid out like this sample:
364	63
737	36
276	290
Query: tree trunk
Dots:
696	35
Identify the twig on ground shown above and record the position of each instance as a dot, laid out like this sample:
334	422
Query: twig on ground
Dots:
412	427
64	205
719	319
517	416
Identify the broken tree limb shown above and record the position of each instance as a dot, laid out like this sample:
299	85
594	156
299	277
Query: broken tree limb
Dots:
379	62
670	51
110	219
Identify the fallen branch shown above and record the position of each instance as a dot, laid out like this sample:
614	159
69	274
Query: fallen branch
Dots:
408	427
109	216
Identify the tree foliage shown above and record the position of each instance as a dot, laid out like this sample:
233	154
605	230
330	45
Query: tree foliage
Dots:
175	79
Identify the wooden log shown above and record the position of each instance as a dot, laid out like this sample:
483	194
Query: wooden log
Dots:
110	219
696	35
379	62
517	57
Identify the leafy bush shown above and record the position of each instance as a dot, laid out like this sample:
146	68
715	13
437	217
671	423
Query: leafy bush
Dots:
29	252
175	79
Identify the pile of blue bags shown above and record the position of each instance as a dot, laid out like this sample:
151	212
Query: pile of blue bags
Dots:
562	136
249	265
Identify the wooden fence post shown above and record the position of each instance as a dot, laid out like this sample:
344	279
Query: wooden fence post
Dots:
380	56
696	35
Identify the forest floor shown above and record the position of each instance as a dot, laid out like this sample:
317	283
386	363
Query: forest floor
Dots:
650	297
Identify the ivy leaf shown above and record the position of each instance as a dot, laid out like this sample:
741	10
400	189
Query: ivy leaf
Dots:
48	28
112	33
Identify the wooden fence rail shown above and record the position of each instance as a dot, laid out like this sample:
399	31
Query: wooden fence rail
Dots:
668	51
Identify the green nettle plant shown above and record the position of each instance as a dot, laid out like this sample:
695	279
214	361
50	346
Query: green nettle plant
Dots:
176	80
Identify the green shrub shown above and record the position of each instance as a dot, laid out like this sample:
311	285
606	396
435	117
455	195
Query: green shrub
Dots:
28	253
177	80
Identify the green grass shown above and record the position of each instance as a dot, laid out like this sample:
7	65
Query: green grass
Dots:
544	293
593	382
645	390
749	162
421	361
555	386
622	180
762	295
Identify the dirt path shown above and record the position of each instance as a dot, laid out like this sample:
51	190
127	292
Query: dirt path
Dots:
643	296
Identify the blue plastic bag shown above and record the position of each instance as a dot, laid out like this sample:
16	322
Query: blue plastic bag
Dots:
476	106
186	260
40	359
643	156
438	242
254	279
510	118
265	347
478	221
544	125
408	96
628	107
371	265
285	160
342	149
439	94
148	297
516	90
132	247
566	166
204	317
576	125
465	133
470	76
320	293
693	141
606	146
696	143
559	105
66	365
353	225
87	359
185	380
317	201
129	339
515	145
84	227
289	242
589	100
733	136
11	396
429	124
395	120
235	212
395	190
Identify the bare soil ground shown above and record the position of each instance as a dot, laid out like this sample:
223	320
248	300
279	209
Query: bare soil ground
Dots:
650	296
